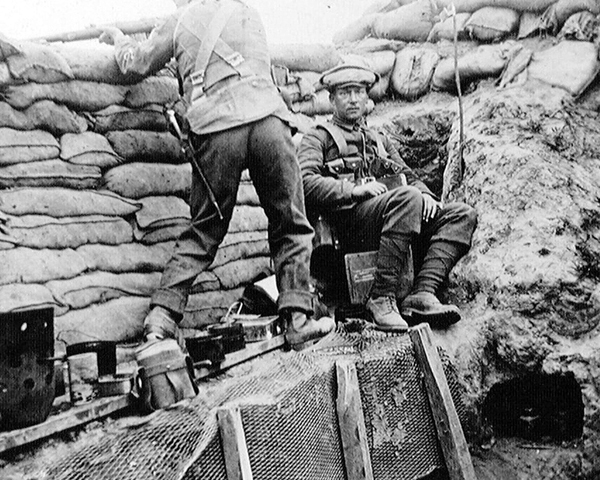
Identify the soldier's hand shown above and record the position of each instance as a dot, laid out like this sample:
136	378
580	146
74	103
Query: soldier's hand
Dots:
430	207
368	190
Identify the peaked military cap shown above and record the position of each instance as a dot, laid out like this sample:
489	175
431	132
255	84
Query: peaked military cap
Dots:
348	74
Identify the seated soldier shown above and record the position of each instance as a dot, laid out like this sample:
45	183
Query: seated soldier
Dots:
355	177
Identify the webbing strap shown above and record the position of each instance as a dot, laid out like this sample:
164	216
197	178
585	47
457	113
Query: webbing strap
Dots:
341	144
209	42
338	137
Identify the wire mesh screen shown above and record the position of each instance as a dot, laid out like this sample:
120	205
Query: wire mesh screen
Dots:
288	405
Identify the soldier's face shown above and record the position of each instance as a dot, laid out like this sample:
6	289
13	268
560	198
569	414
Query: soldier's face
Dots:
350	102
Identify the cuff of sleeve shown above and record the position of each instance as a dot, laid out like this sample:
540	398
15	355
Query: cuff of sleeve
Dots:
347	188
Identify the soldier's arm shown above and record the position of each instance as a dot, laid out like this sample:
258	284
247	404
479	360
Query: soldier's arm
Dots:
321	190
141	59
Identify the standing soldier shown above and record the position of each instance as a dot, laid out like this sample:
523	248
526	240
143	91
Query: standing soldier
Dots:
236	119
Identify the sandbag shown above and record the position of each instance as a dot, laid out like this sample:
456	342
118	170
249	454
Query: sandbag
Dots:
99	287
491	24
410	23
42	231
118	117
530	23
94	63
26	146
146	146
38	63
20	297
356	30
79	95
120	320
519	5
241	272
297	88
248	219
127	257
239	245
43	115
137	180
158	90
8	47
579	26
28	265
558	13
50	173
247	195
207	281
444	29
162	211
318	104
485	61
383	6
570	65
371	44
88	148
413	71
381	88
380	62
209	307
313	57
515	72
160	234
60	202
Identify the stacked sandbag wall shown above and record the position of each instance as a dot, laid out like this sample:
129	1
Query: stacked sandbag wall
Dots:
490	38
95	188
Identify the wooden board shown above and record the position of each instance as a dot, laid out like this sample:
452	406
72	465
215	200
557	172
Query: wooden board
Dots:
71	418
452	440
351	420
233	440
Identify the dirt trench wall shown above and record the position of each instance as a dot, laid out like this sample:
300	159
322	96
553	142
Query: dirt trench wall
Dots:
530	282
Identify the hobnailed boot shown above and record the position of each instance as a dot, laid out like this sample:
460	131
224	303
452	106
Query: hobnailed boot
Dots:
422	307
383	312
303	331
160	324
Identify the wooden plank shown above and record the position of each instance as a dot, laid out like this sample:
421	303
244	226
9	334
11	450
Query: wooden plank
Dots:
351	420
73	417
233	440
231	359
452	440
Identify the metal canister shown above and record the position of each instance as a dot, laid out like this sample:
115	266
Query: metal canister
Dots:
27	386
165	374
87	362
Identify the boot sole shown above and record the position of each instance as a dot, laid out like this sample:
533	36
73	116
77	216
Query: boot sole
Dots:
435	320
397	329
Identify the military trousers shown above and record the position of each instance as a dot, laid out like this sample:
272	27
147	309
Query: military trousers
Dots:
266	149
397	215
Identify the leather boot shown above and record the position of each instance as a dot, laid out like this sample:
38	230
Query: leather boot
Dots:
422	307
383	312
303	331
160	324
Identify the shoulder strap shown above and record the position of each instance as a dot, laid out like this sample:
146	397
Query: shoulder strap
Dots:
338	137
208	43
381	151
